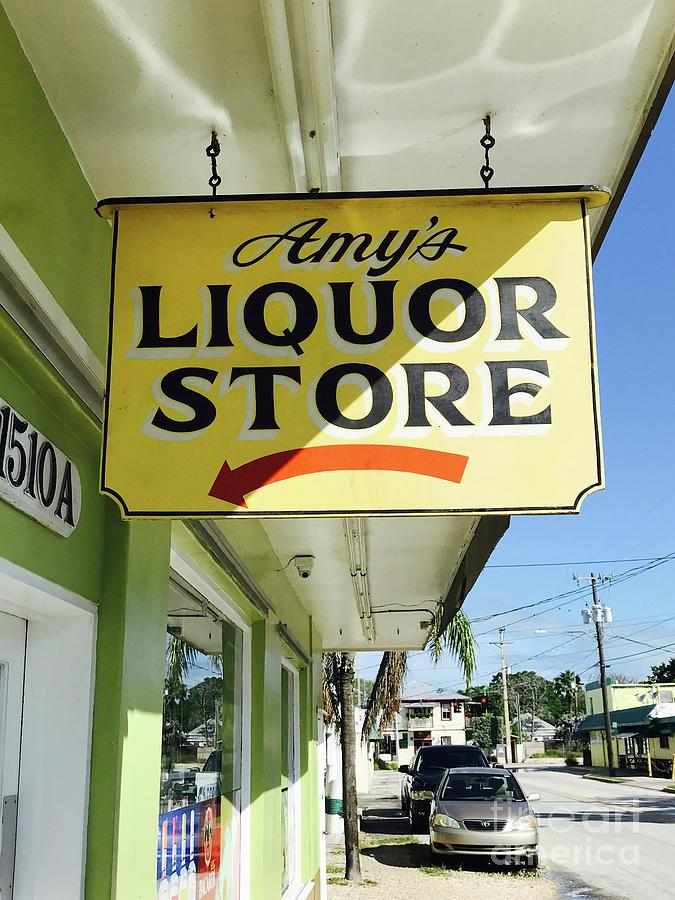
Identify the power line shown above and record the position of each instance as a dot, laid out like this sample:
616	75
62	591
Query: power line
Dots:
506	612
518	662
641	652
535	615
649	627
633	641
578	562
580	593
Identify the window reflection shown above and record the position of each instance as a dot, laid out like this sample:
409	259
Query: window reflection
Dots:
200	788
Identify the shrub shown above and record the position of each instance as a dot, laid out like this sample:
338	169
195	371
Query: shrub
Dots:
571	759
383	764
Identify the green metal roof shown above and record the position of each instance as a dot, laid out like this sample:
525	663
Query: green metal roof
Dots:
635	716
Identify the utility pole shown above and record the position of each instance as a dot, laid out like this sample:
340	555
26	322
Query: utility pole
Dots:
518	720
505	697
599	614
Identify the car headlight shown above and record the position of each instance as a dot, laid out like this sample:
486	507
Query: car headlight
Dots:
441	821
524	823
422	795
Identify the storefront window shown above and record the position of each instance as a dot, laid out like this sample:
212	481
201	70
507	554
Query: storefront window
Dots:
198	843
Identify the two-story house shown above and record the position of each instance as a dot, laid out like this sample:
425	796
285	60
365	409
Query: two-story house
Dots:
428	715
642	716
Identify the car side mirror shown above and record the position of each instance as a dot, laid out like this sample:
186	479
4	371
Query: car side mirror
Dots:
405	770
531	797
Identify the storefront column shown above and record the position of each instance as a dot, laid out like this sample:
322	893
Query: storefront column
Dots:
311	819
266	835
126	750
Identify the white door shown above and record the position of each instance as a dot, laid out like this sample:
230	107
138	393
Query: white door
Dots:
12	655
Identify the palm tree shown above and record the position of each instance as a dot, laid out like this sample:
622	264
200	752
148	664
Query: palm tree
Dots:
383	704
566	685
385	699
180	657
338	705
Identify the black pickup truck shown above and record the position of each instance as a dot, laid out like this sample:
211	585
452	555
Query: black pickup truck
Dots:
422	776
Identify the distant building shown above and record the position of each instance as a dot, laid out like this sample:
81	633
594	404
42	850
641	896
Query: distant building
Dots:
643	725
428	716
537	730
202	735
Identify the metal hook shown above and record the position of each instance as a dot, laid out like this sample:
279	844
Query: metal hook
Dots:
487	142
213	151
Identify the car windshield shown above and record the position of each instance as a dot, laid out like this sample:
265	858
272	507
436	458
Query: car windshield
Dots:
449	758
488	786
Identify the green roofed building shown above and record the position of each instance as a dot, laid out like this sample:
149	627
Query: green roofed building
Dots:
643	726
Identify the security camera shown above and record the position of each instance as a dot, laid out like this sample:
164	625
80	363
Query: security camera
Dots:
304	565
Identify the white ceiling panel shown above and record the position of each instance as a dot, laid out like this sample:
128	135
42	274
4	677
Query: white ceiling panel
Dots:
138	86
410	563
566	85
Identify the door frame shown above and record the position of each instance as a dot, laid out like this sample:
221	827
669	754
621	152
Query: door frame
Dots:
58	705
13	636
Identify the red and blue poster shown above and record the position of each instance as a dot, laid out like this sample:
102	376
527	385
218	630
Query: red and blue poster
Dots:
188	852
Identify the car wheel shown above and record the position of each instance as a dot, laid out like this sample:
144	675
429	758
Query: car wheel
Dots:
434	858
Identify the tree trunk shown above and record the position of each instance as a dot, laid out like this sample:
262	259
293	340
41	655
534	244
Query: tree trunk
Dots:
348	739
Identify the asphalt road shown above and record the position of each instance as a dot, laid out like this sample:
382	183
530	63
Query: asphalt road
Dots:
617	838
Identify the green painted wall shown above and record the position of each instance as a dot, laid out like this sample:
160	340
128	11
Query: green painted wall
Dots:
45	203
32	387
126	748
249	539
185	543
266	862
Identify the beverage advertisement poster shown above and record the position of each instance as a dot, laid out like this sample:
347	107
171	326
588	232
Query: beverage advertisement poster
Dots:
208	860
188	852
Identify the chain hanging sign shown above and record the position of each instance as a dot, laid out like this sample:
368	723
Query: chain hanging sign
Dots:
339	354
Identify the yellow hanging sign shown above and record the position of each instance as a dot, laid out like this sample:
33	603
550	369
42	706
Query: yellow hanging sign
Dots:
352	354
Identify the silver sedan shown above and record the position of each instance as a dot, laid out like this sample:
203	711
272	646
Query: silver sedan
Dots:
483	812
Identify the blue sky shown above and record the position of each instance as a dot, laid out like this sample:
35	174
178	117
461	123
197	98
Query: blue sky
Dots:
634	517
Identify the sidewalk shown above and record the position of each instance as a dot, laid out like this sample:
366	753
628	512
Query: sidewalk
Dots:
385	790
380	809
640	781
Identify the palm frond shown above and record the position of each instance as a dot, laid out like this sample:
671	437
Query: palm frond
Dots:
457	639
179	657
330	682
385	698
217	662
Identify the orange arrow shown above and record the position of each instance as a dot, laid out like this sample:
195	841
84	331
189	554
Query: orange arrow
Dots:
232	484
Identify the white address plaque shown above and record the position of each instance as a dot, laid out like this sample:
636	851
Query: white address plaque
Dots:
35	476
